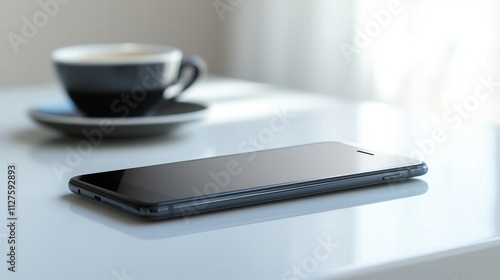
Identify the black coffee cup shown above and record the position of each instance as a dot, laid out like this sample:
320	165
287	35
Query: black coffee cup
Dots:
124	80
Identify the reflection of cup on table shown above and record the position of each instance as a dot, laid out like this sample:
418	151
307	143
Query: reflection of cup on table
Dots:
124	80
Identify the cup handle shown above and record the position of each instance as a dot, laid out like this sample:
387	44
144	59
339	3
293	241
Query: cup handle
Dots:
199	68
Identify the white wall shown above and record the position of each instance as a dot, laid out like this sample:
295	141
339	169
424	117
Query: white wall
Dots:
293	43
429	55
193	26
424	55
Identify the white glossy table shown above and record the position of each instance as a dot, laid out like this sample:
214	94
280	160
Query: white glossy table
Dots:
444	226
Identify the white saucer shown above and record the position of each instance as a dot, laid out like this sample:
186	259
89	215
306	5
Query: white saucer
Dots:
63	116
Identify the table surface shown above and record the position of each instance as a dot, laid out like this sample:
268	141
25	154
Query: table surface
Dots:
443	226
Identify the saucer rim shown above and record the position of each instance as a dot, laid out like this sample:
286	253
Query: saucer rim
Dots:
37	115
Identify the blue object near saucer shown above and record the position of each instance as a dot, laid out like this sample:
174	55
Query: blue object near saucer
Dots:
63	116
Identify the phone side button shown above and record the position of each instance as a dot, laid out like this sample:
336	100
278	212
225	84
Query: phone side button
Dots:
392	177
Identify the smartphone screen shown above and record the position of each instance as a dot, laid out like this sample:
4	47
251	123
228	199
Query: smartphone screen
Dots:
244	172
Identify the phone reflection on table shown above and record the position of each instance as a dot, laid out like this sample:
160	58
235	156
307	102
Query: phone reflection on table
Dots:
242	216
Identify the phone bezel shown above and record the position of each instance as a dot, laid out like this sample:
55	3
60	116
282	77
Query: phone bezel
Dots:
172	208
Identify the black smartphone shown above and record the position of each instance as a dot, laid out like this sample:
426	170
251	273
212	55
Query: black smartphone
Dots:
203	185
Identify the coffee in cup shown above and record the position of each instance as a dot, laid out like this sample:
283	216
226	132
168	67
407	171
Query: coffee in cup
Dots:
124	80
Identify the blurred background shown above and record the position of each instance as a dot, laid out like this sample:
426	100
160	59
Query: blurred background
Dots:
423	55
